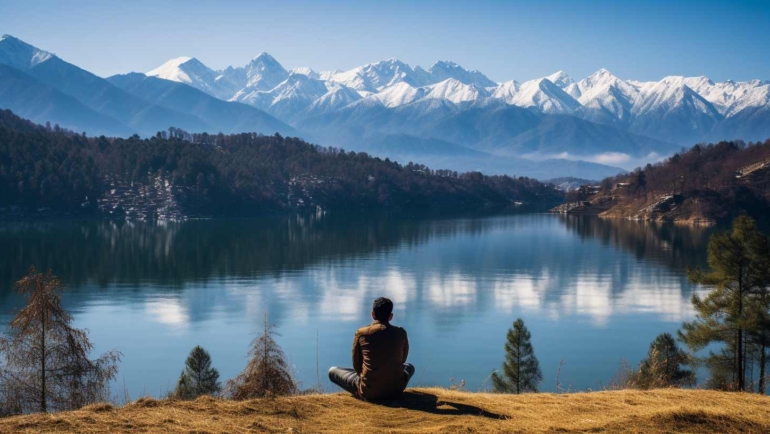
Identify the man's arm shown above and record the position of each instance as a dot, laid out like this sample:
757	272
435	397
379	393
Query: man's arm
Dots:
358	358
406	347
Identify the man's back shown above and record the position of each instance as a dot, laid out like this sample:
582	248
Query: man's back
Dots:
379	353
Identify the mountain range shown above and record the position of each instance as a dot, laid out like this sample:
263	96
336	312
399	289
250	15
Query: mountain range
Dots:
444	114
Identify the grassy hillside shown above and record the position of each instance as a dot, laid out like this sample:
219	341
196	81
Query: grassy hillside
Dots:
425	410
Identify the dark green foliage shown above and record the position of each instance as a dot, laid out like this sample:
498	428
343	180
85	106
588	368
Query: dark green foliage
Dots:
734	310
238	174
521	370
663	365
198	377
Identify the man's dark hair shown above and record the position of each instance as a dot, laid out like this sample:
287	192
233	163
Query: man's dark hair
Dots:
382	308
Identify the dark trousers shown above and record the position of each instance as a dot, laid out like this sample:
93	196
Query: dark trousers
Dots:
347	378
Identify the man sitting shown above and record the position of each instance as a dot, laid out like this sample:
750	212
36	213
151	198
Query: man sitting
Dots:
379	369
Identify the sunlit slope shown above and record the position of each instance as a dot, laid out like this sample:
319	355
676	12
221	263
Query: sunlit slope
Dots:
426	410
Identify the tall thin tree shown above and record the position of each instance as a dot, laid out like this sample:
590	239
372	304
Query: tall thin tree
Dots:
740	274
267	372
521	369
46	365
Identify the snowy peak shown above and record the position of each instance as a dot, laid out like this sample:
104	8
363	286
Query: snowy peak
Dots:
599	82
455	91
305	71
20	55
560	79
172	70
289	97
605	92
729	97
507	91
443	70
545	96
338	96
451	90
670	94
264	72
374	77
399	94
191	71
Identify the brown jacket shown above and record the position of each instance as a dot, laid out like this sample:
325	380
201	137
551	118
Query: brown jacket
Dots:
379	354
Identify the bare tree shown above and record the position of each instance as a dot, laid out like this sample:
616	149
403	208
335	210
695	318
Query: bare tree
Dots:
45	364
267	373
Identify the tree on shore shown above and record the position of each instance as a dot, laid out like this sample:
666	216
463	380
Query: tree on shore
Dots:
45	364
663	366
267	373
521	370
732	312
198	377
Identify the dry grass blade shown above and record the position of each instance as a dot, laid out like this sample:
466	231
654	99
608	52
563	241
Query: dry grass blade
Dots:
425	410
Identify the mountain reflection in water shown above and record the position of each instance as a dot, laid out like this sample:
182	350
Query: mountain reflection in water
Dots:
592	291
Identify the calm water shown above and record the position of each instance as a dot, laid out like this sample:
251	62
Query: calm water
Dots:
592	292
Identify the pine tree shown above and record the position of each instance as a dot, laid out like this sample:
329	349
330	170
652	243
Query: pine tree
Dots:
521	370
198	377
46	365
663	365
740	274
267	373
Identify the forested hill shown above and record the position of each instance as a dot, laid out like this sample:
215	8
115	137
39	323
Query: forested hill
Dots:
705	184
176	174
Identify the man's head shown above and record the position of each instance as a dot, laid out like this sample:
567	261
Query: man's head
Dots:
382	309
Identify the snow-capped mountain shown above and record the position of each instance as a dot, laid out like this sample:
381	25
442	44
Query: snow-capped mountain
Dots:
20	55
507	91
730	97
670	109
687	108
298	94
561	79
192	72
336	97
376	76
605	92
599	118
399	94
543	95
443	70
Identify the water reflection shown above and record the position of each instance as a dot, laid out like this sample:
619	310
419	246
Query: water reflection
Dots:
457	285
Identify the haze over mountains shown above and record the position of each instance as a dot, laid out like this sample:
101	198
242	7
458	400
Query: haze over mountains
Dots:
444	115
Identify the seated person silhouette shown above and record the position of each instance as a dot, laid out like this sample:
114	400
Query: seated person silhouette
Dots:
380	349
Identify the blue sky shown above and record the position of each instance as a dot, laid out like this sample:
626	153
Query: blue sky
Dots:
504	39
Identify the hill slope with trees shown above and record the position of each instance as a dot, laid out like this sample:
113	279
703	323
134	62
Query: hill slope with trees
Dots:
703	185
175	174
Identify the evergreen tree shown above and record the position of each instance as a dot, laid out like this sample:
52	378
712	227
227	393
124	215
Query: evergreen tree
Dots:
663	365
198	377
521	370
759	341
740	274
45	360
267	373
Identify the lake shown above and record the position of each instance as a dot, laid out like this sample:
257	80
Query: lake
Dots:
591	291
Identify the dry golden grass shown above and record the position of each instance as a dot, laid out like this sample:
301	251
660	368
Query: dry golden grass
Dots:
424	410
